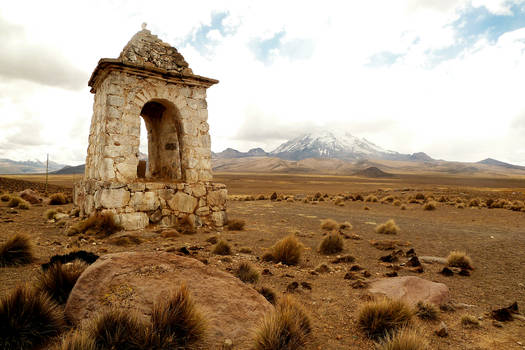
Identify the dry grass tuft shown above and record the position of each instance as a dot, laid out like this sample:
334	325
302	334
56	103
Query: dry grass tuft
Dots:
459	259
5	198
247	273
376	318
331	244
15	201
404	339
420	196
28	319
397	203
176	322
16	251
117	329
286	328
287	251
388	228
427	311
371	198
76	340
329	224
403	207
186	225
469	321
57	199
24	205
345	225
429	205
58	280
101	224
268	293
50	214
126	240
222	248
460	206
235	224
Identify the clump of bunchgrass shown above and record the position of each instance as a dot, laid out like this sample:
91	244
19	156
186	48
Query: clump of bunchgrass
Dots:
460	259
247	273
431	205
371	198
101	224
427	311
50	214
235	224
376	318
389	228
288	327
331	244
28	319
17	250
345	225
222	248
117	329
268	293
5	197
404	339
15	201
329	224
287	251
57	199
469	321
58	280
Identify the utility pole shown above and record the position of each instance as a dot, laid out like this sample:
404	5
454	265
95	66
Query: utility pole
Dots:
47	170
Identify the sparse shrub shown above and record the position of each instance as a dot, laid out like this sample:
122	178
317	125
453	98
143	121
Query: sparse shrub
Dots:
76	340
235	224
389	228
24	205
359	197
429	205
329	224
28	319
247	273
387	199
117	329
403	207
427	311
222	248
267	257
58	280
345	225
413	201
420	196
186	225
397	203
404	339
286	328
288	251
176	322
268	293
377	318
15	201
273	196
460	206
516	206
102	224
50	214
474	202
5	198
442	199
57	199
261	197
331	244
371	198
469	321
17	250
459	259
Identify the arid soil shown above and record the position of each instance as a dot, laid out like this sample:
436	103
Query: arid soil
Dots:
494	239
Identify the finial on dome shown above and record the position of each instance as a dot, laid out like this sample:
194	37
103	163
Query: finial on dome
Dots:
144	25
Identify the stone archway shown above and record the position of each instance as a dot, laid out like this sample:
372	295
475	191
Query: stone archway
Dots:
165	149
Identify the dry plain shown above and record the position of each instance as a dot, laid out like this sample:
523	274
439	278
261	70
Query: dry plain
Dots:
494	239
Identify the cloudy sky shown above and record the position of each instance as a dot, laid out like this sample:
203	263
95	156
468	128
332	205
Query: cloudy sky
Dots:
446	77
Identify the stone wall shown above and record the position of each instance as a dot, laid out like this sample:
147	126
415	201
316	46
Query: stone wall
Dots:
137	205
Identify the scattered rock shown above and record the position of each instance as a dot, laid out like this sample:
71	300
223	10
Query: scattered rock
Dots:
306	285
410	253
410	289
390	258
418	269
433	259
391	274
290	288
212	240
267	272
351	276
447	272
366	274
359	284
505	314
497	324
169	233
413	262
442	331
134	280
323	268
184	250
343	259
464	272
356	268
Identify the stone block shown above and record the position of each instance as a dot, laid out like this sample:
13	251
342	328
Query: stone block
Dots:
203	211
198	190
145	201
137	187
133	221
183	202
115	100
218	218
112	198
218	198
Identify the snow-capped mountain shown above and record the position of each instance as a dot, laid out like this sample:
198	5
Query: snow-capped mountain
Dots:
332	144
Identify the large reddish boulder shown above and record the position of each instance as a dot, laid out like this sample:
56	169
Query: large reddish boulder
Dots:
410	289
134	280
30	196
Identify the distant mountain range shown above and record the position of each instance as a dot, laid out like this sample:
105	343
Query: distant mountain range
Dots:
324	151
8	166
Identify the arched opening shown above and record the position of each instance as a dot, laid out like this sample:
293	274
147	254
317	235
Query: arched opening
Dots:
161	120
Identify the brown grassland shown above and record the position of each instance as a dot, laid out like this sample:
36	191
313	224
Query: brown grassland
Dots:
493	238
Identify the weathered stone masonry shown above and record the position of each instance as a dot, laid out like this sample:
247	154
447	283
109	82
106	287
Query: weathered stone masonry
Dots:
152	80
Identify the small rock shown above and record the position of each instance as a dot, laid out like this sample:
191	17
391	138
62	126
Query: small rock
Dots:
390	258
356	268
343	259
227	345
391	274
267	272
447	272
442	331
323	268
464	272
351	276
413	262
497	324
366	274
183	250
359	284
306	285
410	253
292	287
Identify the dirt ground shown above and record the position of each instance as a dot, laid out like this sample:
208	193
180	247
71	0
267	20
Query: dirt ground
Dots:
494	239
